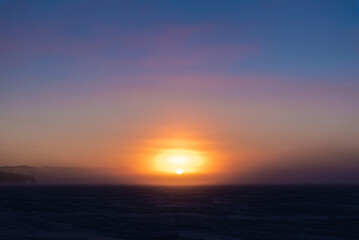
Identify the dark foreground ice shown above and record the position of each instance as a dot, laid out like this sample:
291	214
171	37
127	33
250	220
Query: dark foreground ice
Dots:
209	213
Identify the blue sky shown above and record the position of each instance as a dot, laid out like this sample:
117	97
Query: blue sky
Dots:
237	73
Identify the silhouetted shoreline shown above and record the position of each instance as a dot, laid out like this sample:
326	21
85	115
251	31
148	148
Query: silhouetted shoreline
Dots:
9	178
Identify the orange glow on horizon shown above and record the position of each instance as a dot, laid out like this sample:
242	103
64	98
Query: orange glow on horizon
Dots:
178	156
172	160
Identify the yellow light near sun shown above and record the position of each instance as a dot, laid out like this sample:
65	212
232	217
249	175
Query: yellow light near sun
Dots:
179	161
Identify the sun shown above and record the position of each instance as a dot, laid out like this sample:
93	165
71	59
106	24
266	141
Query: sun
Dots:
179	161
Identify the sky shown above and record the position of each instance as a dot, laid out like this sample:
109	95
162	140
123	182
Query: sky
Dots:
241	91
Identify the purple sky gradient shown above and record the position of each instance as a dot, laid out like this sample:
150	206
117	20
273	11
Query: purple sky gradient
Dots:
262	85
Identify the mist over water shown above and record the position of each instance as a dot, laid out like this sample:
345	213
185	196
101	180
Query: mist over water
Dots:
186	213
103	103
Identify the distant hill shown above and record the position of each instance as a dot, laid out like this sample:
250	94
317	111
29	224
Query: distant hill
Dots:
8	177
67	175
